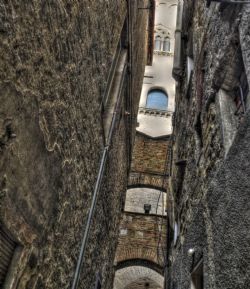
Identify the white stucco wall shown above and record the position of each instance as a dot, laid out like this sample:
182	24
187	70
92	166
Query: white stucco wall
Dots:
137	197
159	75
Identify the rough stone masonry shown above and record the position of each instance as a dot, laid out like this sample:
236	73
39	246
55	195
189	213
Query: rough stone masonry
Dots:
54	66
210	184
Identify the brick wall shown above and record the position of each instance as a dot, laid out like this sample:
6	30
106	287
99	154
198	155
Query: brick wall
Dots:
150	155
141	237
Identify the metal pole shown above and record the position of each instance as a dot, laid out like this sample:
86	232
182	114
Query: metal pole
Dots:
91	212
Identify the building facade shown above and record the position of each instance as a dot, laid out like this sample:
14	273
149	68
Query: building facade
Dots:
157	99
209	188
70	78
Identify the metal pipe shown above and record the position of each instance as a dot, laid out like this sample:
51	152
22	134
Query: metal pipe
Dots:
177	66
112	73
91	212
97	188
130	89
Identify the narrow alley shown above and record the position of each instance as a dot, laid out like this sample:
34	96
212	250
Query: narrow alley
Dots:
124	144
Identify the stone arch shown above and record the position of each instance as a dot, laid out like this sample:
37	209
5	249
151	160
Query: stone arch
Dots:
138	185
148	180
133	253
128	275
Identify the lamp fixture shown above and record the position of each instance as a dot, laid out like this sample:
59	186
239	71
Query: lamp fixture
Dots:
147	208
191	252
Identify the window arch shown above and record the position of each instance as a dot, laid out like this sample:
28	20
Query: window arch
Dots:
157	99
158	43
166	44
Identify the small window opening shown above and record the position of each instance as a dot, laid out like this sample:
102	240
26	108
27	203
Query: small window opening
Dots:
198	128
190	68
197	278
198	137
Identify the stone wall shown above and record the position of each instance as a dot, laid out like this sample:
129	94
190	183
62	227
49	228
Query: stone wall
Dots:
210	166
54	68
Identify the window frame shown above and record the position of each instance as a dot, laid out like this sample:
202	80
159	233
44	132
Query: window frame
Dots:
158	38
150	92
166	42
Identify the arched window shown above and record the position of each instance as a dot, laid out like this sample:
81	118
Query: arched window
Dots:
166	44
157	99
157	43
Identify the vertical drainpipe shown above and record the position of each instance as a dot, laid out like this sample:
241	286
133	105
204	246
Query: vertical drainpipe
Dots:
177	67
130	71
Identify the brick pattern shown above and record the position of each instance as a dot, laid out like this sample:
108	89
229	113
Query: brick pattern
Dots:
148	180
142	237
150	155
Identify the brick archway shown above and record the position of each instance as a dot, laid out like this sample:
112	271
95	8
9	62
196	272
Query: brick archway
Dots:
142	237
140	262
137	253
148	180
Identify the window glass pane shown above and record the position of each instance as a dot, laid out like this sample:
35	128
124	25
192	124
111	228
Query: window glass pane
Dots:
157	99
166	44
158	43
